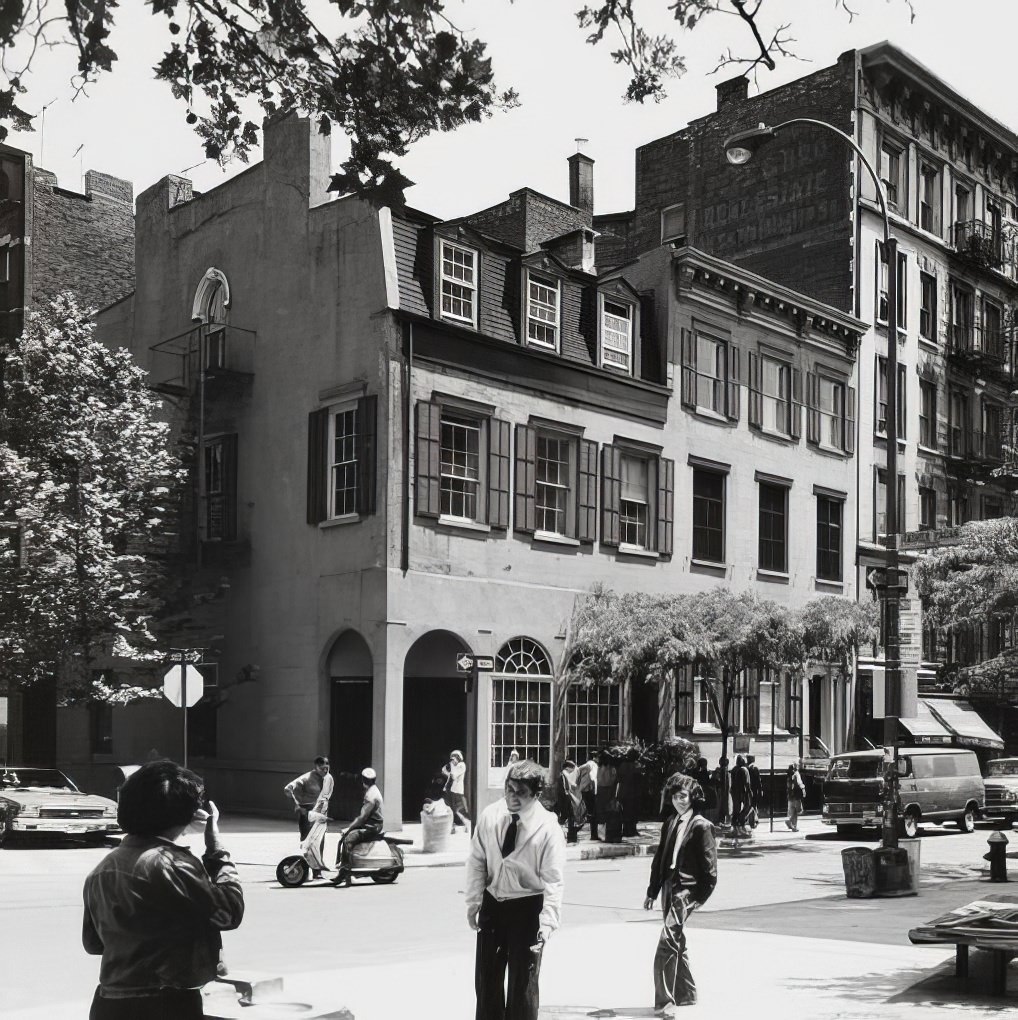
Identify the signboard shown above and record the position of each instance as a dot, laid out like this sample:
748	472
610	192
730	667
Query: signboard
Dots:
932	539
468	663
909	678
910	632
195	686
740	743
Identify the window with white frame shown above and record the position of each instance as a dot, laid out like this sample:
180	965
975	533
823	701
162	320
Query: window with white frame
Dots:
773	528
458	283
831	397
830	514
928	414
929	196
892	173
461	485
776	395
902	284
343	460
881	408
711	373
555	471
616	335
704	716
637	501
592	719
928	307
521	703
542	311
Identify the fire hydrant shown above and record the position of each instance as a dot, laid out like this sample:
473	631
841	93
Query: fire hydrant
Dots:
997	857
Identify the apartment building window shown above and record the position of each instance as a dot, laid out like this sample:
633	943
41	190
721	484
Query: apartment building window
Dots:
992	332
776	395
830	413
220	489
958	424
637	499
928	307
993	419
995	217
929	196
705	717
458	278
673	223
542	311
962	206
892	173
592	719
962	317
462	464
710	374
685	699
957	506
902	282
773	528
880	504
341	460
616	335
555	490
521	703
927	508
708	515
928	414
881	408
830	513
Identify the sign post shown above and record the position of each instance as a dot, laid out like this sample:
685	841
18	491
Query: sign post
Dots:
472	665
183	686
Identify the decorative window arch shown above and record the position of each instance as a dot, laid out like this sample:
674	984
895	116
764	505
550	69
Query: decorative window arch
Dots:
212	298
521	689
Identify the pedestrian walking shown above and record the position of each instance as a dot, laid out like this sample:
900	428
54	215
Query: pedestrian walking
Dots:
710	795
365	827
514	895
742	796
795	790
306	791
154	911
571	800
684	872
454	792
755	788
588	790
722	783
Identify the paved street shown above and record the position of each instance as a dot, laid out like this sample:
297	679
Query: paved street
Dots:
779	937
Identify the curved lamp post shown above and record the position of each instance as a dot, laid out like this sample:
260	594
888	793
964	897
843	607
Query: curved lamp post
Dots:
740	149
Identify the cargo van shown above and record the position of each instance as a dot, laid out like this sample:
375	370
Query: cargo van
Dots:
1002	789
937	784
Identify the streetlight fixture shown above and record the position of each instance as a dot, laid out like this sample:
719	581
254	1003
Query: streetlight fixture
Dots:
740	148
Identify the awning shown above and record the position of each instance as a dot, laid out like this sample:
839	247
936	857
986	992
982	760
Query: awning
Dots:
964	722
925	727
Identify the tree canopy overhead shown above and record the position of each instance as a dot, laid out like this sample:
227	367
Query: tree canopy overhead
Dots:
385	72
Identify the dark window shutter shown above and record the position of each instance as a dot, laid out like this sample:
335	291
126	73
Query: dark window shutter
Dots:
367	445
586	505
428	488
611	495
498	473
795	423
684	698
688	368
318	441
755	407
850	420
665	505
525	502
813	421
751	701
229	444
732	386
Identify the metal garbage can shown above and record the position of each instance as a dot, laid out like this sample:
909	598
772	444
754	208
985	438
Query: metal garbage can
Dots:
891	871
857	862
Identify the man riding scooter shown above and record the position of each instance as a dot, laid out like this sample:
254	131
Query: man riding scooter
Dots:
365	827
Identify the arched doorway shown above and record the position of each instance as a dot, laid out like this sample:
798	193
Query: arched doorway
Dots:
351	694
434	714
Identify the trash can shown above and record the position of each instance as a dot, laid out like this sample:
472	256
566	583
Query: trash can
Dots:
891	871
911	846
857	862
437	832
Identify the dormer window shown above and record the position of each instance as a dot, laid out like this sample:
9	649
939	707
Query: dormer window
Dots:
616	335
459	283
542	311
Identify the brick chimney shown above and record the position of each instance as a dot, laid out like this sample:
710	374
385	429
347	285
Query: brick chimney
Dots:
735	90
581	184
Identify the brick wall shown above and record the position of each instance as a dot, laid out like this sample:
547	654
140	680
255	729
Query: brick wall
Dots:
527	218
787	213
83	243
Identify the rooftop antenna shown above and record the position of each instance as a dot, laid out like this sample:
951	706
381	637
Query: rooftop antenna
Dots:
580	142
42	130
81	164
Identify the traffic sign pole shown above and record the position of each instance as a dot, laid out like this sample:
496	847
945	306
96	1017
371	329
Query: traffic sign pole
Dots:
183	705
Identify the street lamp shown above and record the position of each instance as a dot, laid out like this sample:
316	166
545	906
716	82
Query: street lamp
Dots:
740	149
772	684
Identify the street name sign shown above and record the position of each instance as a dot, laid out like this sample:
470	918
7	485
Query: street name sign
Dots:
933	539
195	686
910	632
468	663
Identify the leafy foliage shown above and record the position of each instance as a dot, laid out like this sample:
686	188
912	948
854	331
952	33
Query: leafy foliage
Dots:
86	472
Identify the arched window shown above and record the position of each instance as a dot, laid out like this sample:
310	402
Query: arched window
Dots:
521	703
211	300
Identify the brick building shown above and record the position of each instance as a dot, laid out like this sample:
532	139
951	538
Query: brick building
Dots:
804	213
421	438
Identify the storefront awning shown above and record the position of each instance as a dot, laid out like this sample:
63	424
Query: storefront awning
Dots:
964	722
925	727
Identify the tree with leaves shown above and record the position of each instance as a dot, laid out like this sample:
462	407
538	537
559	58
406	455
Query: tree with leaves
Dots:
385	72
86	475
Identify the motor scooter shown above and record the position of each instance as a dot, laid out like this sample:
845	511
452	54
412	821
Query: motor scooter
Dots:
380	859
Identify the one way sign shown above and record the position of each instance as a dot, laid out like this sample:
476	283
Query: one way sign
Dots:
468	663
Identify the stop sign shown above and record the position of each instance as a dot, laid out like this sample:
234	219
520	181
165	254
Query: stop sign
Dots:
195	685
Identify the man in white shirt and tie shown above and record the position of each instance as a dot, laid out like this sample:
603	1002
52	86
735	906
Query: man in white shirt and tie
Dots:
685	872
514	894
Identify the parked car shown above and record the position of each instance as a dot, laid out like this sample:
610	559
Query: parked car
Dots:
37	802
937	784
1002	789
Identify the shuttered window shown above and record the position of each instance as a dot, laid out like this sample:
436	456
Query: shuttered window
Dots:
220	489
637	500
342	442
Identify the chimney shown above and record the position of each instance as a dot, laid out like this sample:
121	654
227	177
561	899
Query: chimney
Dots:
581	184
735	90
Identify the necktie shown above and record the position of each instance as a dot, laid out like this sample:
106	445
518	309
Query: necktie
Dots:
509	843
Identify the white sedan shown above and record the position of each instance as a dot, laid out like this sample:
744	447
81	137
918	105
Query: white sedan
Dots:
44	802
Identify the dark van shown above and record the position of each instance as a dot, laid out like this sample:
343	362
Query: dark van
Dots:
937	784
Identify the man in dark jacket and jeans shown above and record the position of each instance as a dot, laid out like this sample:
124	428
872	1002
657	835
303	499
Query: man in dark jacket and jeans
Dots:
685	872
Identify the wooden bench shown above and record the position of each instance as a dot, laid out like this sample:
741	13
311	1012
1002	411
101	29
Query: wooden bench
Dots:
1001	949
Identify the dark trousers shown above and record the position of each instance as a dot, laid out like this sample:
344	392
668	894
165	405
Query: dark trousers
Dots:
673	981
504	939
740	810
458	806
350	840
169	1004
590	803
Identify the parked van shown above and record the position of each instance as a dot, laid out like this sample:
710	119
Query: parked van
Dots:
937	784
1002	789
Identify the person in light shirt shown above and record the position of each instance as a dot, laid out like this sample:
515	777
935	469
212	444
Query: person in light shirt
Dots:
514	894
685	872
